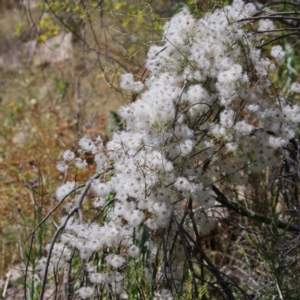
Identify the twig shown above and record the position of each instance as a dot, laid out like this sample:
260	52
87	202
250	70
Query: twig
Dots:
276	30
189	259
210	266
103	208
6	284
283	17
176	117
27	266
294	12
221	198
68	288
275	3
214	270
279	291
63	225
277	38
52	211
267	17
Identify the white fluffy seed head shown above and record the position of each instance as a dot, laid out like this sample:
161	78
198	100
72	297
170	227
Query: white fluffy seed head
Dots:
65	189
116	261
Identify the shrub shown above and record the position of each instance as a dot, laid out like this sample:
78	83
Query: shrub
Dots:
207	120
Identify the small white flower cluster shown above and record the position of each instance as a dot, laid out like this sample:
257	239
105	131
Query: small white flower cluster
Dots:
207	114
277	52
127	83
266	25
64	190
85	292
295	87
61	255
94	147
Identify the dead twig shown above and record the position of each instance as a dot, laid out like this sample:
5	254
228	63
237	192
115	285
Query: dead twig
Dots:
221	198
63	225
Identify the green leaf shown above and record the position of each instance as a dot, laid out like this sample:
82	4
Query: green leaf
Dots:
116	124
